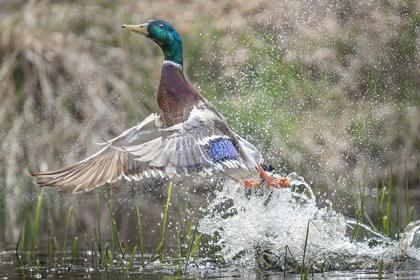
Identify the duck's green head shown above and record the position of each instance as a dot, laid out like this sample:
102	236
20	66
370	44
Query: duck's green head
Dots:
163	34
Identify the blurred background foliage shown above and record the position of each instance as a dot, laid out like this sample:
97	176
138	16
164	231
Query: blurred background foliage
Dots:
321	87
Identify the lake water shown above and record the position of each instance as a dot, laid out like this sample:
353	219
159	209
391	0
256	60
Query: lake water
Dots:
260	233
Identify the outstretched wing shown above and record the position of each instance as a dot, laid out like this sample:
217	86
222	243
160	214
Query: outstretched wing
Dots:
198	145
107	165
202	143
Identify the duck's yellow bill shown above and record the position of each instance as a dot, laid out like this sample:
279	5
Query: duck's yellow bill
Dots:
141	29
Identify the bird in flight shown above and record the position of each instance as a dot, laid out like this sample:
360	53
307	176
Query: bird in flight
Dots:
189	136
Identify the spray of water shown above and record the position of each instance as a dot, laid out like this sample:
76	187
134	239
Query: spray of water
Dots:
256	226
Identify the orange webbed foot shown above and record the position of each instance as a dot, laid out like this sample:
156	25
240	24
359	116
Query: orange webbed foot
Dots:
279	182
252	184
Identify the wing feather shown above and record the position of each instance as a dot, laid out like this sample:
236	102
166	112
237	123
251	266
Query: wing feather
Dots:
202	143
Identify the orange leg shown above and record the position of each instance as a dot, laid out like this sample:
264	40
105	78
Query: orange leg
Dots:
279	182
252	184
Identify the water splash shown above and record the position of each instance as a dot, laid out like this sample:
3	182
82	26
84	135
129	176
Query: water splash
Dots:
256	226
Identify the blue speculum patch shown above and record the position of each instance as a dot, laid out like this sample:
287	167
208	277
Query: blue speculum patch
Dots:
221	149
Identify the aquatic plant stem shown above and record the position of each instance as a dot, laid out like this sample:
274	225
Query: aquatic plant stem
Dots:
407	200
380	267
285	262
75	251
98	216
36	225
139	226
67	229
107	257
130	263
165	222
304	252
114	226
22	241
381	208
49	243
362	196
398	214
98	243
388	209
190	247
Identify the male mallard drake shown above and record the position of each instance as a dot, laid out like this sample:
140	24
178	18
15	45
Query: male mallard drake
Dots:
189	136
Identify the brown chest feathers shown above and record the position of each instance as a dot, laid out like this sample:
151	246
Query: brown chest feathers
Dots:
176	97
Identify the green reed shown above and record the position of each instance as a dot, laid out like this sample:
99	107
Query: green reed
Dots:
161	247
38	266
2	207
139	227
107	258
49	242
361	212
130	263
307	271
380	267
362	195
398	222
97	240
92	248
380	204
82	231
387	219
22	237
98	221
285	260
304	273
323	265
36	225
67	229
407	200
75	250
181	230
115	229
304	251
191	246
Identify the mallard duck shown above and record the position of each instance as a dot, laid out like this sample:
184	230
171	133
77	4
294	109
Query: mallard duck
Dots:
189	136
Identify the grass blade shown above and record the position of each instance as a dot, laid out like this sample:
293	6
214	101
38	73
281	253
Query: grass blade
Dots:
165	222
407	200
386	226
388	206
130	263
107	257
323	265
307	271
380	267
179	243
49	243
75	251
139	226
22	241
398	214
190	247
114	226
67	229
411	213
357	228
362	196
98	216
285	262
36	225
381	209
304	252
98	242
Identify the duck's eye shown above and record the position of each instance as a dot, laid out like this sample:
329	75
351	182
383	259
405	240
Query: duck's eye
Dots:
161	25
